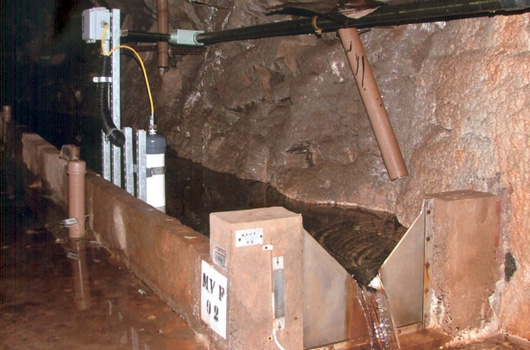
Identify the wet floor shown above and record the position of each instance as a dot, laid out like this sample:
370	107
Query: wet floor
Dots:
42	292
44	303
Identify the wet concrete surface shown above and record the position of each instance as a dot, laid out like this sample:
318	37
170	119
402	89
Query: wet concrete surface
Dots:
42	306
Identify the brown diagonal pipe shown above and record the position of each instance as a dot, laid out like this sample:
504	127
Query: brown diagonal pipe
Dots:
163	28
373	103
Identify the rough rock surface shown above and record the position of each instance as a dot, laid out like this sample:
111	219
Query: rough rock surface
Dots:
287	111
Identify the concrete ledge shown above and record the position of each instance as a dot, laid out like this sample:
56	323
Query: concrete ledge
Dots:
160	250
42	160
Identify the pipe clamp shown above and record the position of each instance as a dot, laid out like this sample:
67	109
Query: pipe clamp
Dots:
102	79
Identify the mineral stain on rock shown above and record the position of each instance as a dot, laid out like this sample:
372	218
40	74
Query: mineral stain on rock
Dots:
510	266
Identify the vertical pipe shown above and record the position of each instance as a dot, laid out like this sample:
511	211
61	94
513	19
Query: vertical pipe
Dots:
163	28
82	298
76	198
76	210
373	103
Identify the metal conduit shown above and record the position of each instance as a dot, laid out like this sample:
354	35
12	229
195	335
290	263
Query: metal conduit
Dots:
417	12
423	11
143	37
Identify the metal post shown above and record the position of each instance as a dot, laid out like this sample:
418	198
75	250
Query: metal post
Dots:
105	150
105	144
129	161
115	38
141	162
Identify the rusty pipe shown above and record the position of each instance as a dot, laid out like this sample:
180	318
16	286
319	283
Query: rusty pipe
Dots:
163	28
373	103
76	197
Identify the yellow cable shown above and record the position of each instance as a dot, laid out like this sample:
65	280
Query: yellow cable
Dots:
103	39
139	59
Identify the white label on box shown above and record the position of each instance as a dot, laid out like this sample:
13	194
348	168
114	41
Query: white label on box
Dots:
245	238
214	295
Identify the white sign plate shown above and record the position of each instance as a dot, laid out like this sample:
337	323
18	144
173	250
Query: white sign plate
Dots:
245	238
214	295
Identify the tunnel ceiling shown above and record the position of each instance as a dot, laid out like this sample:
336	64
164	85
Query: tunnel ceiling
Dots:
350	8
333	9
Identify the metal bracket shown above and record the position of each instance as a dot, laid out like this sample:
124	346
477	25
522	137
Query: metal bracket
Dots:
155	171
279	289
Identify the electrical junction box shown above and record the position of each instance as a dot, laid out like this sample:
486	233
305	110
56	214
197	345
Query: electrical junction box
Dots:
94	21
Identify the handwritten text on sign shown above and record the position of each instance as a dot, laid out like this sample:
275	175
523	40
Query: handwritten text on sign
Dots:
214	294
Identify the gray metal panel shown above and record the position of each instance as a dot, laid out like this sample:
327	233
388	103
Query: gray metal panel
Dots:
129	161
141	185
116	165
115	40
402	276
279	291
105	157
325	296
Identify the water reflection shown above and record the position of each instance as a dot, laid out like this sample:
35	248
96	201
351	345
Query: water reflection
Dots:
359	239
77	256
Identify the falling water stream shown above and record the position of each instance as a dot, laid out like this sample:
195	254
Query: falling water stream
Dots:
378	318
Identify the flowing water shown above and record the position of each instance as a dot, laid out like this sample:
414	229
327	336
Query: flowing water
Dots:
378	318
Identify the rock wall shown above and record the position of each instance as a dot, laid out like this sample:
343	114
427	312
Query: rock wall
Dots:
287	111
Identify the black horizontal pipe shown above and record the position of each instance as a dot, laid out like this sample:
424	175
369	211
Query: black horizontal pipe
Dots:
415	12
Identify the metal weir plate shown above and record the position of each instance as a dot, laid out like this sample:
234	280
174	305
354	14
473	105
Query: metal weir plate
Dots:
249	237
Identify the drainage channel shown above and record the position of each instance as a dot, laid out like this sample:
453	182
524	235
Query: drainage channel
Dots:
359	239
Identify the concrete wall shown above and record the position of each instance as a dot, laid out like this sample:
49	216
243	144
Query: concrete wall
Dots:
42	160
165	254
